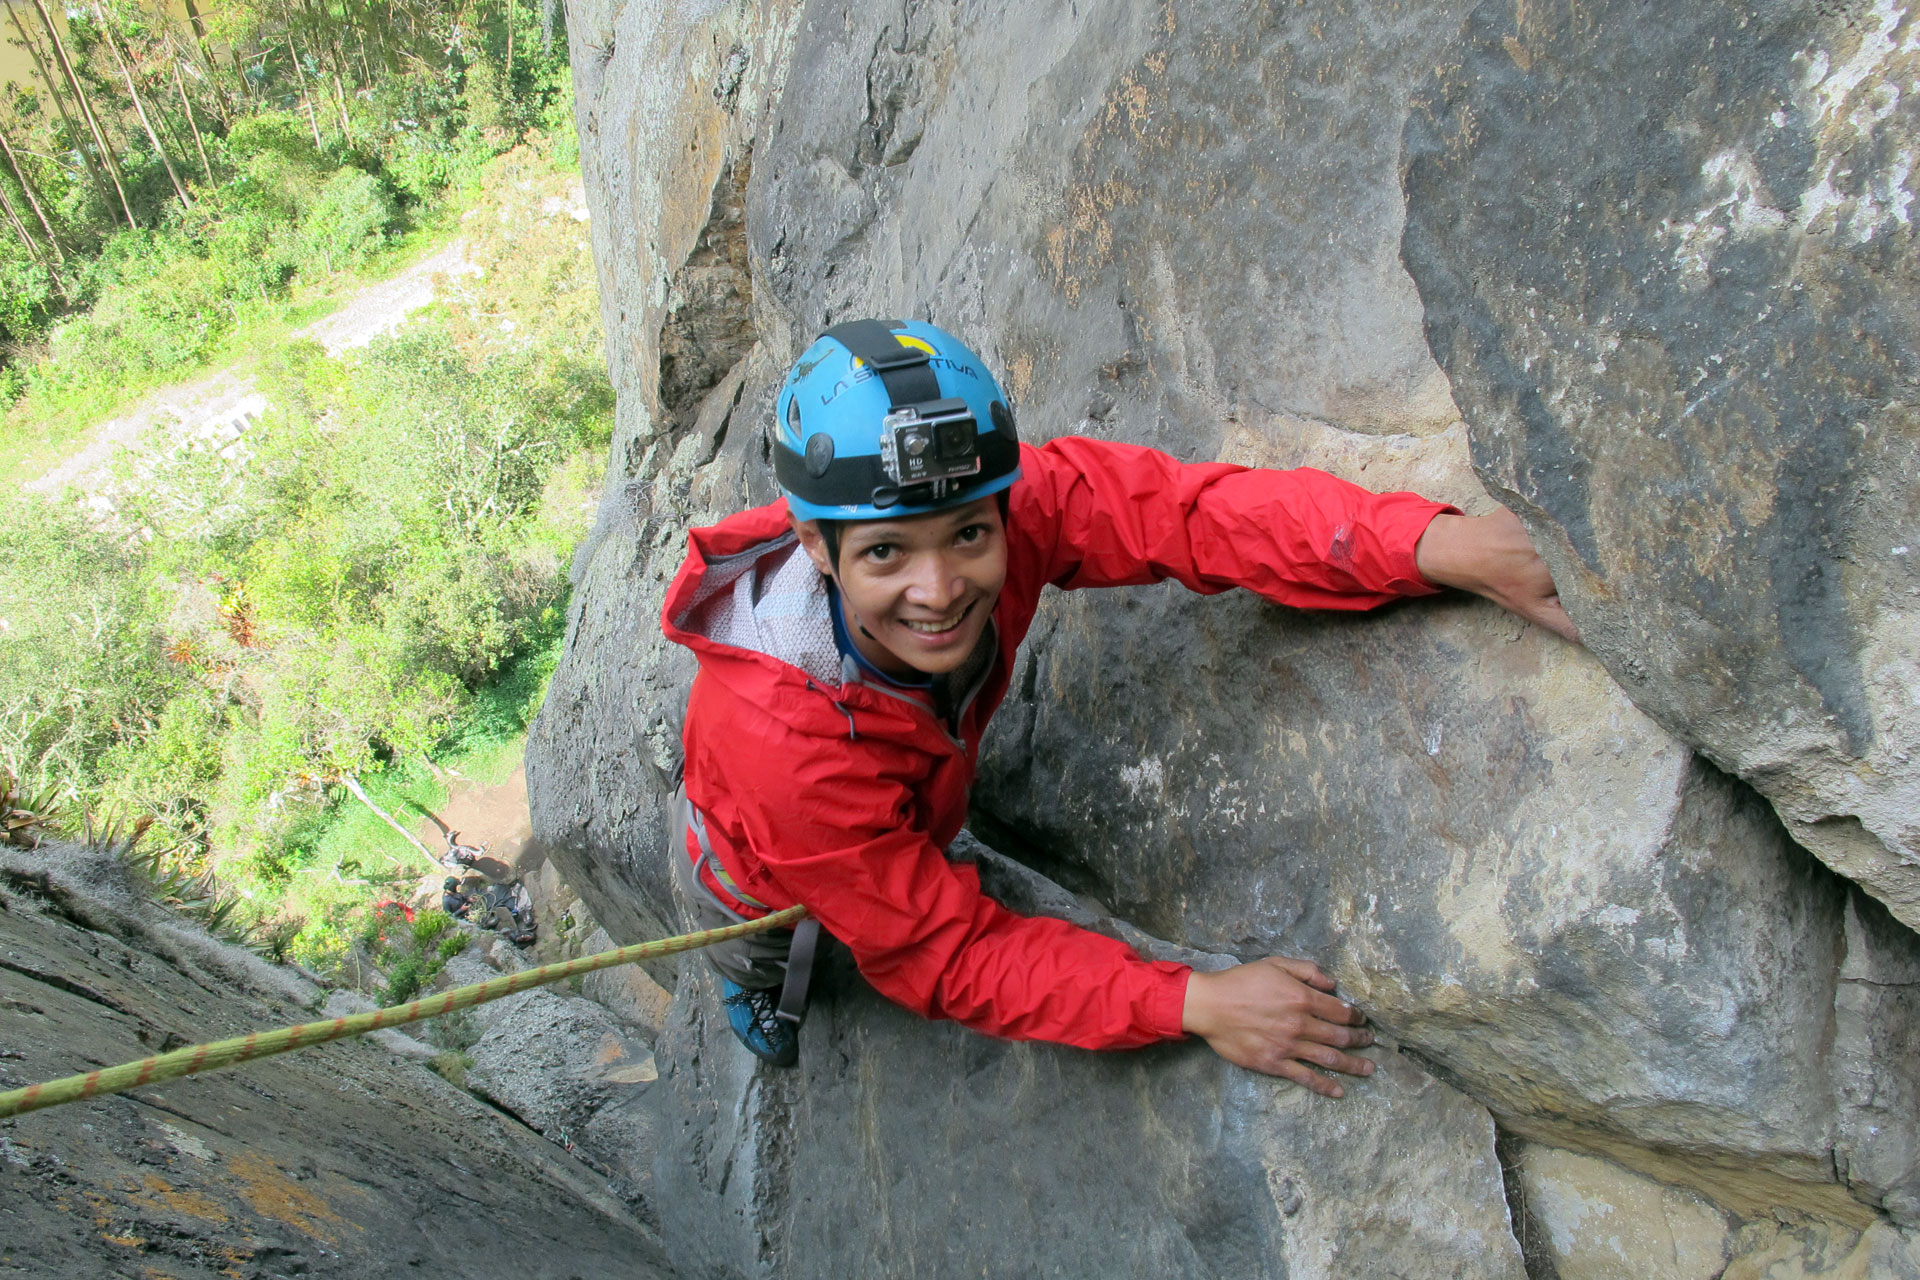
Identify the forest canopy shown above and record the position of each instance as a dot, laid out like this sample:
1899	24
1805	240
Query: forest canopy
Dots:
162	178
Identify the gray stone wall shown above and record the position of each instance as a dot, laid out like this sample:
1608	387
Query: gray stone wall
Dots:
1604	961
340	1161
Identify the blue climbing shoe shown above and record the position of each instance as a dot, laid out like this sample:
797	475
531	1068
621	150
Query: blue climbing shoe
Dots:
753	1017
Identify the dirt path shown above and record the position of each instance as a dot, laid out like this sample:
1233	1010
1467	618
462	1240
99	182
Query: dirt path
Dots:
494	818
217	411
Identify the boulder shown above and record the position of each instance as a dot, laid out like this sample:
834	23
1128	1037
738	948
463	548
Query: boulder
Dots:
554	1060
1685	334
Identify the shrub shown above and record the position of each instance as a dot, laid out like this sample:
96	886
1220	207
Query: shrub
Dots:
171	771
429	925
26	297
348	220
81	665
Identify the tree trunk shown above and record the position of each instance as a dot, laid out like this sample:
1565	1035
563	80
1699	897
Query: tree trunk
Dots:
59	101
186	105
20	229
336	44
352	784
33	197
139	103
313	121
86	109
366	67
198	25
340	96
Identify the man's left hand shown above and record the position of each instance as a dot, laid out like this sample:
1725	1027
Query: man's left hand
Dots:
1490	556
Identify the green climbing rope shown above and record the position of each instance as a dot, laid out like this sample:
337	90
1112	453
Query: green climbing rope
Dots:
263	1044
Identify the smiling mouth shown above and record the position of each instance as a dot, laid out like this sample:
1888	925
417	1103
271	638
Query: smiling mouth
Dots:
939	626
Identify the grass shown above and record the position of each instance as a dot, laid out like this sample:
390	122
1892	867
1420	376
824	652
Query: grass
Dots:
358	838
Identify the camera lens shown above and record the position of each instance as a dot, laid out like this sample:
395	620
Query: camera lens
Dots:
956	440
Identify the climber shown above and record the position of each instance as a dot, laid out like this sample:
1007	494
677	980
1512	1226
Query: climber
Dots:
453	900
854	639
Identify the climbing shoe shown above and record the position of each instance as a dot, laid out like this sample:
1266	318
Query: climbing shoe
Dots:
752	1015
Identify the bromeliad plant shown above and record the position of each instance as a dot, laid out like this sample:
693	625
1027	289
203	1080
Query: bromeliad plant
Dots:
196	896
26	819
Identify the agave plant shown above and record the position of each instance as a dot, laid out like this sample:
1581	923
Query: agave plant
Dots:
26	819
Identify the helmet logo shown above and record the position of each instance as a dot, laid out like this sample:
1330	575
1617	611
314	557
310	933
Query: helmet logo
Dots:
945	430
905	340
819	451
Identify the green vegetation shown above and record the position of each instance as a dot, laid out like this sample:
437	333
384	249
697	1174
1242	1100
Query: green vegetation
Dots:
374	591
411	951
294	151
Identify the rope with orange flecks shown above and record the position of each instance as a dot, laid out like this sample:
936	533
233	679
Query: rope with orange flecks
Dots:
264	1044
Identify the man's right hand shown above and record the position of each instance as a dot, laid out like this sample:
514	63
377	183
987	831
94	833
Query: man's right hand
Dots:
1278	1016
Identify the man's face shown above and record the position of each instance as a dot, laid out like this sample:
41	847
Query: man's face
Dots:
917	590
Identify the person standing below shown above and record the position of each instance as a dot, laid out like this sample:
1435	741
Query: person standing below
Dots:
854	640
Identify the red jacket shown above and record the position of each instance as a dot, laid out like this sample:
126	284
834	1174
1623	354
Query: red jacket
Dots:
821	788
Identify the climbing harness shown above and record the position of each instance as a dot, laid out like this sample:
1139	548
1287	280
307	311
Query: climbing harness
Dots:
264	1044
792	1004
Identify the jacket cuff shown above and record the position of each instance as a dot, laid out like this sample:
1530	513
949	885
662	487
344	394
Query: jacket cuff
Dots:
1163	1005
1415	517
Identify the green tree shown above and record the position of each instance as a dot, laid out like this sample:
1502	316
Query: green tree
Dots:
349	218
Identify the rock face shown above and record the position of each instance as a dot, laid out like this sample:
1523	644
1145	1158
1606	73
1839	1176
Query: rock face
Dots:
339	1161
1180	224
1685	335
866	1162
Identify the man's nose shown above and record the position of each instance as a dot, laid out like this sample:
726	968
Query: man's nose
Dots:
935	584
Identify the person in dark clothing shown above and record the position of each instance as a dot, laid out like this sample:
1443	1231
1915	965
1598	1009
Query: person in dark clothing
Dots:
453	901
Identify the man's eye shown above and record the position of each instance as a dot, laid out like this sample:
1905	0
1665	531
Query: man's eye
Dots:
971	533
879	552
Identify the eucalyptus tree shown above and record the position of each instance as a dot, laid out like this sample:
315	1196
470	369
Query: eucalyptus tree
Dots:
87	111
73	137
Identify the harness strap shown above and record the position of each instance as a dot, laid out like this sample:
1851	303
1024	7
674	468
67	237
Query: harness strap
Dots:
793	992
697	823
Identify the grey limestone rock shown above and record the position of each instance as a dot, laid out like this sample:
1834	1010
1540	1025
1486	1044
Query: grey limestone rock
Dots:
555	1060
1685	334
1588	1219
335	1161
1032	1159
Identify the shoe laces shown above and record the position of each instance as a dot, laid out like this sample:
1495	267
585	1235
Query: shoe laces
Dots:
762	1007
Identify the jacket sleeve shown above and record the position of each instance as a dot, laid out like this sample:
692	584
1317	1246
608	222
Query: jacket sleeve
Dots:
837	832
1107	514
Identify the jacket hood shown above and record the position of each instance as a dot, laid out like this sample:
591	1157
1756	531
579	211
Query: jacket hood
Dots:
754	610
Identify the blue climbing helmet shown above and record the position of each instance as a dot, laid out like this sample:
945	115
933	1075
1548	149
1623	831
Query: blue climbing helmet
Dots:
884	418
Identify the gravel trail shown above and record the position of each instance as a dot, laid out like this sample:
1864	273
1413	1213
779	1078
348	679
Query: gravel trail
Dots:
220	408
